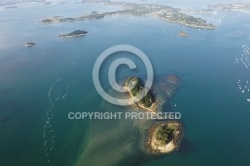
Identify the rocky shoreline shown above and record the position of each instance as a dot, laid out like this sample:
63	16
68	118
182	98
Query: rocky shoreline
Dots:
163	136
151	135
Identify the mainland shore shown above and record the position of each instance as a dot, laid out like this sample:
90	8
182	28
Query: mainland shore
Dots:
163	12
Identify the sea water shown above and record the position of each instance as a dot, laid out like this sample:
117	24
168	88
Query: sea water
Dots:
42	84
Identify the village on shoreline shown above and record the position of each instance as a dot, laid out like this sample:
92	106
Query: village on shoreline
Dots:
162	12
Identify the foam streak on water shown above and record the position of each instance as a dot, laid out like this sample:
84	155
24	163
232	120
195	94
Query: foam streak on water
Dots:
244	61
57	94
48	131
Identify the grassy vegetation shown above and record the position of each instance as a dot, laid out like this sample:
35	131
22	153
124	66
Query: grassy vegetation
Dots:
166	133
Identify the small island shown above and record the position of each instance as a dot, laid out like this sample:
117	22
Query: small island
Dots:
136	88
76	33
164	137
182	34
29	44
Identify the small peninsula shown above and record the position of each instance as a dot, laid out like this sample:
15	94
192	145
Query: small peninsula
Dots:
29	44
164	137
76	33
136	88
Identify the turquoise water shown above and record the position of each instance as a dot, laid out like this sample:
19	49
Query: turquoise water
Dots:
41	85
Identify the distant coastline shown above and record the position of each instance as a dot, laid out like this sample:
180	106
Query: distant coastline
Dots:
10	7
6	3
162	12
